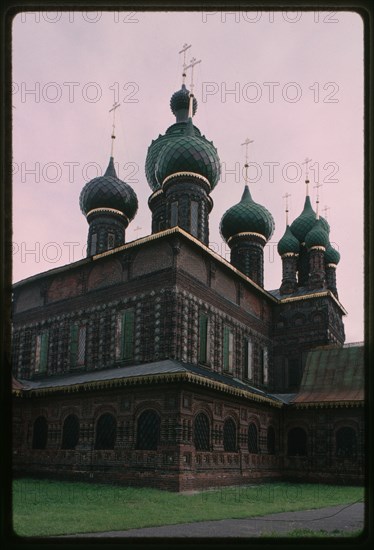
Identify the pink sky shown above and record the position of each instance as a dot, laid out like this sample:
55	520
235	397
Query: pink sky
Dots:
292	82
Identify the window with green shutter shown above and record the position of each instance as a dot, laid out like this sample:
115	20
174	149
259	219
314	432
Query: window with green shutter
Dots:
203	338
77	345
228	344
41	352
74	331
248	360
127	349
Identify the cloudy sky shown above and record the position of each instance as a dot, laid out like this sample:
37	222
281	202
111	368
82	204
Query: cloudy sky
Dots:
292	82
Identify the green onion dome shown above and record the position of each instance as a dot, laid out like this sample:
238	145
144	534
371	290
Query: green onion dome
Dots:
288	243
247	217
179	104
317	236
176	130
305	222
189	153
109	192
332	256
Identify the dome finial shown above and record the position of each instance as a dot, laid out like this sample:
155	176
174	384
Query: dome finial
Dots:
185	47
306	162
317	199
246	165
191	66
325	210
113	136
286	196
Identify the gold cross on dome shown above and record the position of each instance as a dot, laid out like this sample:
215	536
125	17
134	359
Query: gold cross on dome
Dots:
185	47
246	143
317	186
286	196
191	66
325	210
306	162
113	136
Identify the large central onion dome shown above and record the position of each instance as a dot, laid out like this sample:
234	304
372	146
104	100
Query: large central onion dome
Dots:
108	192
305	222
189	153
247	217
176	130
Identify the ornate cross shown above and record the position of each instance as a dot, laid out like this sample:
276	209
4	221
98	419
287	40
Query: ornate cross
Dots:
191	66
286	197
324	210
246	166
185	47
113	136
317	186
306	162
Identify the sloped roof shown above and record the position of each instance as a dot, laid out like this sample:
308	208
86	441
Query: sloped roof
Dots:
333	375
148	373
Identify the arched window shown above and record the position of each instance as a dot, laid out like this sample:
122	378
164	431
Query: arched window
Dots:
106	432
70	432
229	436
148	431
346	443
202	432
40	433
252	438
271	440
296	444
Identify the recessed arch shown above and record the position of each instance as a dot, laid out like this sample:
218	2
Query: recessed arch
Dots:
40	433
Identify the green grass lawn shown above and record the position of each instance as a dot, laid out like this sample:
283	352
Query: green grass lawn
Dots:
43	507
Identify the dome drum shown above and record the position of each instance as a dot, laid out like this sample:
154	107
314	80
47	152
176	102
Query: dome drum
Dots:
186	178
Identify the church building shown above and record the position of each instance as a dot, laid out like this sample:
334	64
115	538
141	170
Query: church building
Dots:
157	362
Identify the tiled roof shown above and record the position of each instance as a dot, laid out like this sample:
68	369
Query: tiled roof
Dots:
333	375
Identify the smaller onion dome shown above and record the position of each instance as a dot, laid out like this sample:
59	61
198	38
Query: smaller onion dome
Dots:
332	256
179	104
108	191
317	236
305	222
189	153
288	243
247	217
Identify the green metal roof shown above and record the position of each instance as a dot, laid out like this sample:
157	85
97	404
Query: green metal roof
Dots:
333	374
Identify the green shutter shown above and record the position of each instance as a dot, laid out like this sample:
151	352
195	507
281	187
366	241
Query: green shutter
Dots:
226	345
203	334
74	330
246	359
128	334
43	352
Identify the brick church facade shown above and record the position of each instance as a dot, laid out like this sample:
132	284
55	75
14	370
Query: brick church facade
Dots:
158	363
